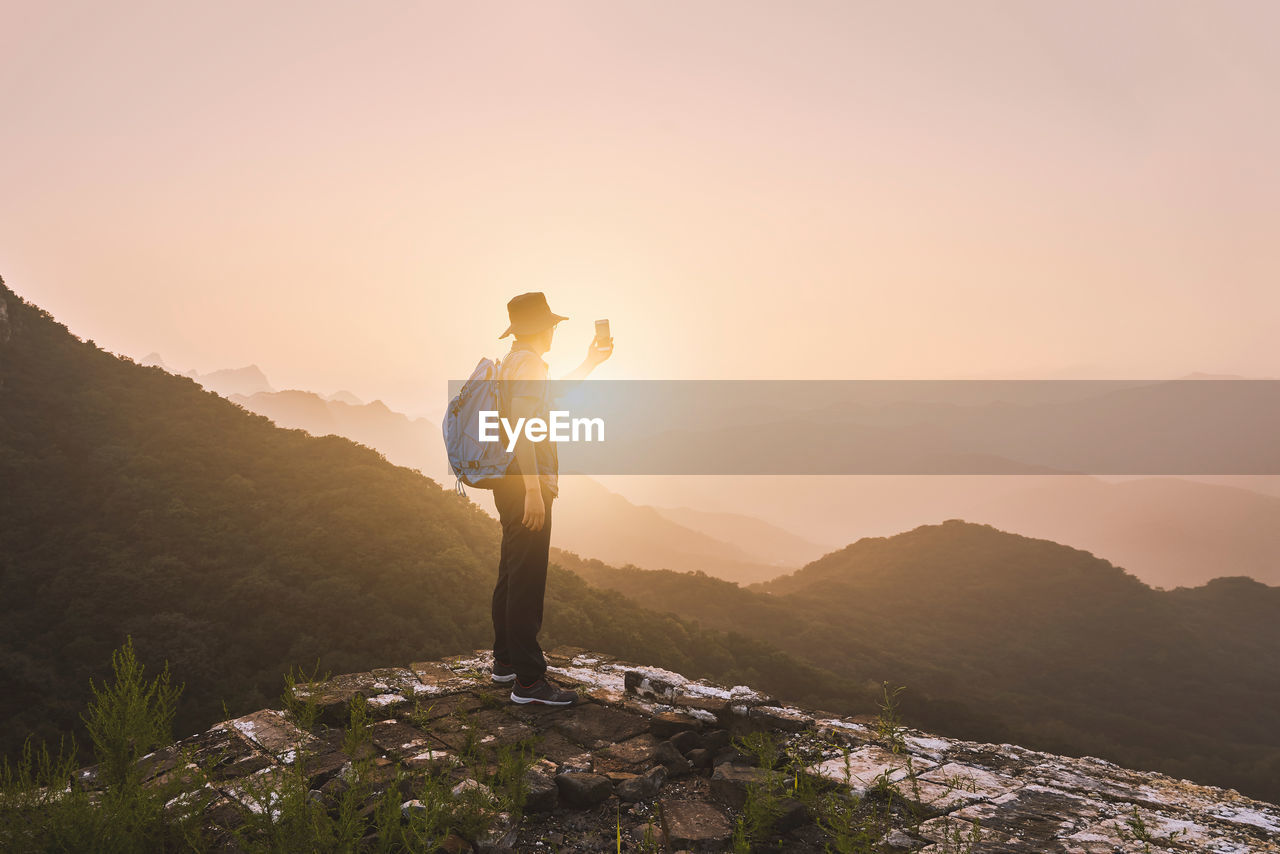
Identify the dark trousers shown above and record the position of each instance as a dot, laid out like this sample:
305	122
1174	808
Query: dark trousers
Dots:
522	582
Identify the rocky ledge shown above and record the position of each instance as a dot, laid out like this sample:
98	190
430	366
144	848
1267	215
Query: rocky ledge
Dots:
648	760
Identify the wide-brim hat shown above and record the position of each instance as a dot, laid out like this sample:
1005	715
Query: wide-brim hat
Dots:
529	313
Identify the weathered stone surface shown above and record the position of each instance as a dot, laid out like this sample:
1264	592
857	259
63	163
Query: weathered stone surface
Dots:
715	739
432	759
729	782
607	696
595	727
1014	799
554	746
438	678
401	740
381	774
667	724
489	727
394	687
706	709
270	731
163	767
543	792
694	824
255	792
646	836
780	718
899	841
646	684
583	790
671	688
577	762
686	740
637	752
864	766
224	813
667	755
642	787
323	766
699	757
500	836
471	784
435	707
730	755
565	655
226	755
792	814
953	785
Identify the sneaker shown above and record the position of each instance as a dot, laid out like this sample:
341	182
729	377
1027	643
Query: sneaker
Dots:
502	672
542	691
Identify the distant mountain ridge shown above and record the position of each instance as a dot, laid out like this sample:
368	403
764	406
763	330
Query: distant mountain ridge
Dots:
344	396
765	542
228	381
593	520
1170	532
412	442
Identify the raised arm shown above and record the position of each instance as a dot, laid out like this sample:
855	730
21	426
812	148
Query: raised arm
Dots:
595	355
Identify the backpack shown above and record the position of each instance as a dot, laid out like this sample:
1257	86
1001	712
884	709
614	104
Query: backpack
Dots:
475	463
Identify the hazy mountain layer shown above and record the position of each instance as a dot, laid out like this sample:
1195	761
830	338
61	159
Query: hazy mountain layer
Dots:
1167	531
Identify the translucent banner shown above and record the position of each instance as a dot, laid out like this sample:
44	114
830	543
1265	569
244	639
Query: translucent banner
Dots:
1129	427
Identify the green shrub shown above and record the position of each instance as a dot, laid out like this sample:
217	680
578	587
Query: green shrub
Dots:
45	805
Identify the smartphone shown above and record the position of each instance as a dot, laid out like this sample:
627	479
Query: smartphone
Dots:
602	333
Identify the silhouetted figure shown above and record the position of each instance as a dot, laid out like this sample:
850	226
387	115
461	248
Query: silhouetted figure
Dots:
524	497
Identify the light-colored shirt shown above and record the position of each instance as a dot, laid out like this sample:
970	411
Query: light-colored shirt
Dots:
524	374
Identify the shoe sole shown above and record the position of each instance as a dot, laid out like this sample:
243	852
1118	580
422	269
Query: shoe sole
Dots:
518	699
508	678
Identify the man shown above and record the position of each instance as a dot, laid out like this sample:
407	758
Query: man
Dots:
523	498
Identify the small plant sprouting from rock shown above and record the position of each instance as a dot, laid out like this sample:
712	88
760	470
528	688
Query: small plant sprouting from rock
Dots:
299	696
763	803
422	717
648	842
1136	830
889	725
510	779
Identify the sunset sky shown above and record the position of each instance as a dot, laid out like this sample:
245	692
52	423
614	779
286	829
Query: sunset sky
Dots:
347	194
